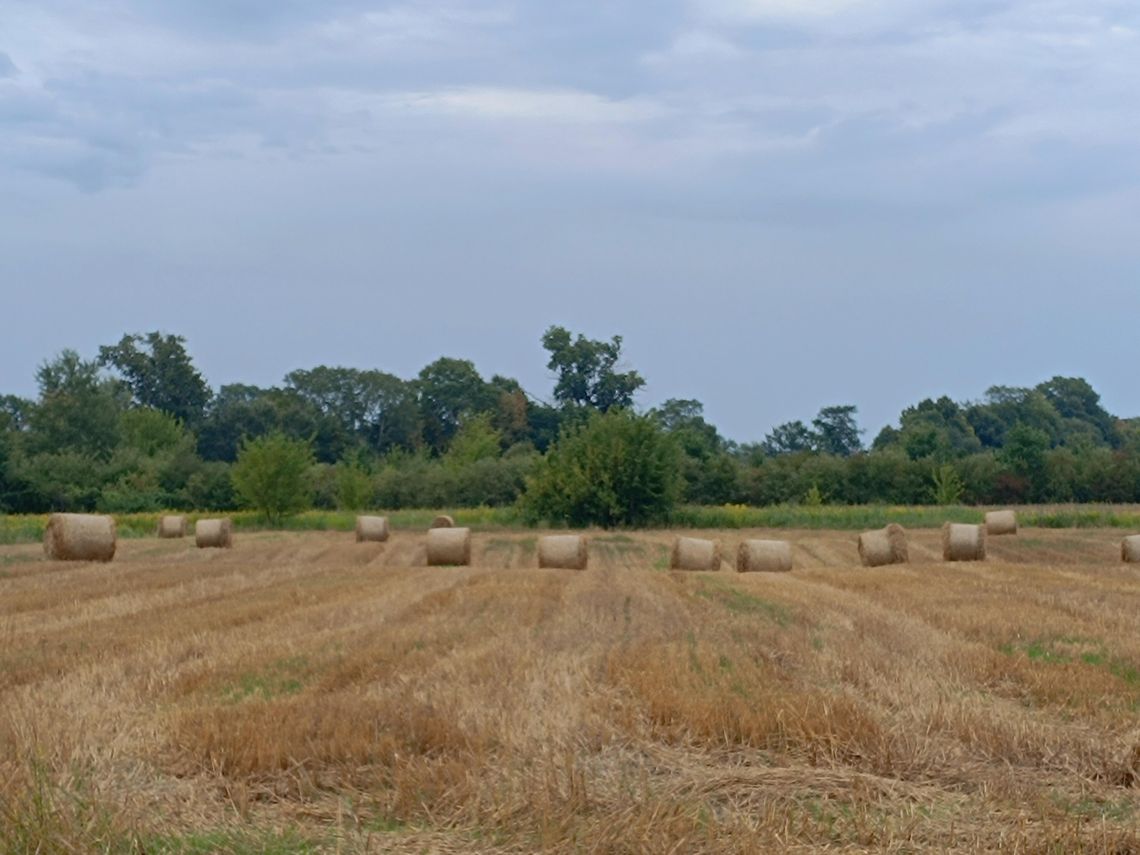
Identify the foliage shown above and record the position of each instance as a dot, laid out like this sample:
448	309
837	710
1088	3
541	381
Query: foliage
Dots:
788	438
78	410
586	371
353	487
476	440
616	469
948	487
837	432
160	374
147	437
271	475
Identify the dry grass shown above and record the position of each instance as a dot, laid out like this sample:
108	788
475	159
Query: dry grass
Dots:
304	693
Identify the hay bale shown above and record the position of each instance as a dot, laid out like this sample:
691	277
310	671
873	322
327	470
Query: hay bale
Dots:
1001	522
884	546
963	542
1130	549
371	529
764	556
80	537
214	534
563	552
449	546
443	521
693	553
172	525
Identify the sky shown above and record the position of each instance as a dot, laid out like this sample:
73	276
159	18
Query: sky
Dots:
778	204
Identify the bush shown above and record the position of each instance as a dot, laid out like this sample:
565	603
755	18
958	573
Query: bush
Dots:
616	469
272	475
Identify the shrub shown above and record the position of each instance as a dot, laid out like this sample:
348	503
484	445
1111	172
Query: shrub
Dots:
616	469
272	475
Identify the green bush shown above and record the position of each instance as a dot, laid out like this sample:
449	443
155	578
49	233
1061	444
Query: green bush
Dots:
272	475
618	469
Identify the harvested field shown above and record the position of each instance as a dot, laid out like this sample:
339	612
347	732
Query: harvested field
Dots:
305	693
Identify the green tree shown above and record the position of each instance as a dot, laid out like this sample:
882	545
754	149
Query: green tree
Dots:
947	485
78	409
377	408
709	470
1076	401
837	431
1007	406
450	390
160	374
615	469
353	487
789	438
1024	456
477	439
586	371
272	475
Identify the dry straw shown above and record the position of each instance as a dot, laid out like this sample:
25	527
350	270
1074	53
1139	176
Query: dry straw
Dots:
449	547
1130	549
214	533
80	537
563	552
1001	522
371	529
764	556
172	525
693	553
884	546
443	521
963	542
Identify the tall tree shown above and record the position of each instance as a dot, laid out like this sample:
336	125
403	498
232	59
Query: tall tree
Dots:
78	408
160	374
789	438
586	371
450	390
379	409
837	431
1076	401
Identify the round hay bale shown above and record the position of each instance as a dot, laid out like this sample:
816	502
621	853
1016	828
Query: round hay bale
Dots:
884	546
693	553
764	556
443	521
1001	522
80	537
563	552
1130	549
172	525
963	542
214	534
449	546
371	529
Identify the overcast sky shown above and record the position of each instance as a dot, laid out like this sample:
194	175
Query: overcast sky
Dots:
779	204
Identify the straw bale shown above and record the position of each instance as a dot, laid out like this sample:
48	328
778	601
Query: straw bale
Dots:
1130	549
172	525
1001	522
371	529
884	546
563	551
764	556
80	537
214	533
693	553
449	546
963	542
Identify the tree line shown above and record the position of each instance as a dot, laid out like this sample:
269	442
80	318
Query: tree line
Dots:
136	427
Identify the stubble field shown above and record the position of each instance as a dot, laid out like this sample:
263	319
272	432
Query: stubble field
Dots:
301	692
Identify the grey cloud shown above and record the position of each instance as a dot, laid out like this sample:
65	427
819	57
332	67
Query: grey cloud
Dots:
7	67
